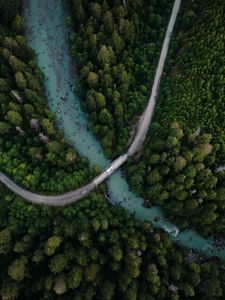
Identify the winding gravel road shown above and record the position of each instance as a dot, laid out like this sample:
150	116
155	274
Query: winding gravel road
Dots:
142	129
146	117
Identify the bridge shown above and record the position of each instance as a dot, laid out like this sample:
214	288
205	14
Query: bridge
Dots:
110	169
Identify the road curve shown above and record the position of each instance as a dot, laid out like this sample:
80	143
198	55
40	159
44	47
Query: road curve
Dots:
59	200
142	129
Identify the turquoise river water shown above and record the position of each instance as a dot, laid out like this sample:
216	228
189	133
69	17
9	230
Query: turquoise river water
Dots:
47	35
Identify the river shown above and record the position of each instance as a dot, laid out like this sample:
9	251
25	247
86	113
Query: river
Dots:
47	35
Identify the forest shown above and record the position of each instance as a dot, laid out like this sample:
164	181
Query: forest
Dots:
116	49
181	165
91	250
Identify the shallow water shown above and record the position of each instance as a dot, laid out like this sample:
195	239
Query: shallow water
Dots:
47	35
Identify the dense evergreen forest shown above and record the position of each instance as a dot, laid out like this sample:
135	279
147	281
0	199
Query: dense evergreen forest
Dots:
181	166
116	49
90	250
